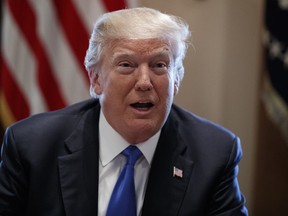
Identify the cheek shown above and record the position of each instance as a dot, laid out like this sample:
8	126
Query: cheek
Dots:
165	92
117	88
169	85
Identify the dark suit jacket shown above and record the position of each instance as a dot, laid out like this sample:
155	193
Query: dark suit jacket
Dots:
50	166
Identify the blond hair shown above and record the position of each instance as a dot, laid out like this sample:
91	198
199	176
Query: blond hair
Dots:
139	23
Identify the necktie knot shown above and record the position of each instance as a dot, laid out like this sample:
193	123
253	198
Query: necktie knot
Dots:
132	153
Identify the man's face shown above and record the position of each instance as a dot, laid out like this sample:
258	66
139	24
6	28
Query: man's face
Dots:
136	86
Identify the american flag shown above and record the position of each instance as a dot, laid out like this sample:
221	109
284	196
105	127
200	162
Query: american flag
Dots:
177	172
42	51
275	94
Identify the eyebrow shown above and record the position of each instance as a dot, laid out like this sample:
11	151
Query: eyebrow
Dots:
128	53
122	54
162	53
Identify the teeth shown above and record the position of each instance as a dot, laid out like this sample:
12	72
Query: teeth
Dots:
142	105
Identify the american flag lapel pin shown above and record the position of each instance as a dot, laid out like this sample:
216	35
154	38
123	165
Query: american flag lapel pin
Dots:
177	172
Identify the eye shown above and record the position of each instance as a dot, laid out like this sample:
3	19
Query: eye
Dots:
124	64
125	67
161	65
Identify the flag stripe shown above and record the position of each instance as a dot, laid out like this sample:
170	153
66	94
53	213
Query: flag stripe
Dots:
13	94
89	11
69	17
44	43
66	69
25	18
22	63
112	5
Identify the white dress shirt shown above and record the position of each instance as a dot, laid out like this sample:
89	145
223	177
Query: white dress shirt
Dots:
111	163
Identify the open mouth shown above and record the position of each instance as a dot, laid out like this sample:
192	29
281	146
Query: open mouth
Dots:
142	105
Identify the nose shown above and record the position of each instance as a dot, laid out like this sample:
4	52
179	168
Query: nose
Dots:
143	82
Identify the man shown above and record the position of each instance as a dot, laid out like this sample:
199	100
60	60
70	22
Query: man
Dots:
67	162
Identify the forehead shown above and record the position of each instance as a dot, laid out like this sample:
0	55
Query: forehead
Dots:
140	47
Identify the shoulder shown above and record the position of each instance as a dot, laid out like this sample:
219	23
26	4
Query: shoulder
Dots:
50	127
190	122
205	138
62	116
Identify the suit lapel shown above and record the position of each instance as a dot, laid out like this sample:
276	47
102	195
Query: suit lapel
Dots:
165	192
78	170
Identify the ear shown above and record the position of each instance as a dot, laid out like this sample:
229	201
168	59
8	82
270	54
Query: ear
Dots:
95	81
175	89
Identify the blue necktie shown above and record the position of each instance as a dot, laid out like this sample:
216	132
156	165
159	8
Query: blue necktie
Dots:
123	198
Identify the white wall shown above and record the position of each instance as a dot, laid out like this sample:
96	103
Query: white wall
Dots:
222	72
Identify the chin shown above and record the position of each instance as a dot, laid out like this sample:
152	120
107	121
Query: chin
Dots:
144	130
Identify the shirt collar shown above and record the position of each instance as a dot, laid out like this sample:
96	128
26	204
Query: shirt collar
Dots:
111	143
